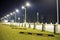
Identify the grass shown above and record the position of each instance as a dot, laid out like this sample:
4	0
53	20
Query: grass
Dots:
7	33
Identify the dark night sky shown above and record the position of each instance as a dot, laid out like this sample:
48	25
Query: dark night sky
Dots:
46	8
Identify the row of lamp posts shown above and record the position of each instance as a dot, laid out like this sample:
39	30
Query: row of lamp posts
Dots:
27	5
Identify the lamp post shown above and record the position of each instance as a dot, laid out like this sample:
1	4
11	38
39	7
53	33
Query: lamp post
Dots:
16	11
14	16
7	16
19	21
37	17
2	18
24	7
57	12
11	16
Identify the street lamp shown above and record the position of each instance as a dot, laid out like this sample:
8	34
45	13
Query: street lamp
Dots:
15	16
11	15
27	4
24	7
2	18
16	11
57	12
19	21
37	17
7	16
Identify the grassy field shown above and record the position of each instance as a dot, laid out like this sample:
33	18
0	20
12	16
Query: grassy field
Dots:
7	33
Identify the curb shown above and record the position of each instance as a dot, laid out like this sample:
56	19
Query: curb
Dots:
38	34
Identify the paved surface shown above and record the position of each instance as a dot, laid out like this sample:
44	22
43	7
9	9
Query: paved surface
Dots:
7	33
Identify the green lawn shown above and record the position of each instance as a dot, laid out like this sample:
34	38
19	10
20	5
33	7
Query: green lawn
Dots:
7	33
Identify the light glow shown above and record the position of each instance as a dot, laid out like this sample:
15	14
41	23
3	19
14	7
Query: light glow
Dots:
27	4
8	15
18	18
17	10
23	7
11	13
4	16
5	20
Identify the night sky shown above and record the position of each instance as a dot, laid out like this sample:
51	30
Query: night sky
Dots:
46	8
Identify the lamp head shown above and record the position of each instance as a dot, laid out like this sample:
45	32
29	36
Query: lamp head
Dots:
27	4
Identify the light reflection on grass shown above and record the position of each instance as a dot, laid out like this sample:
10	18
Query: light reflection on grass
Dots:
7	33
